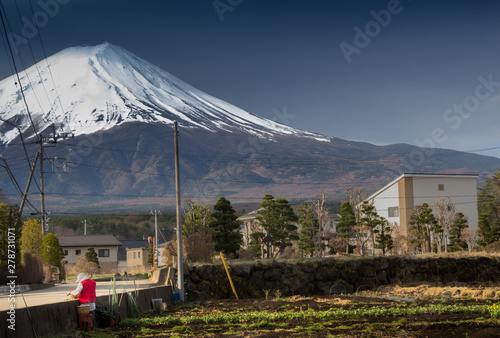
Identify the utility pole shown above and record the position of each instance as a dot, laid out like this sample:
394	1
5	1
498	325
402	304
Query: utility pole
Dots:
156	261
85	227
180	264
52	141
42	192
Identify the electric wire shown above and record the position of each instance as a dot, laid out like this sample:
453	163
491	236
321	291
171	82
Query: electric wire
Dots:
58	97
35	65
4	26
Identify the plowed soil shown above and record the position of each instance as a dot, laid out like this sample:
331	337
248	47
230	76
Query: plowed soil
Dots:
202	319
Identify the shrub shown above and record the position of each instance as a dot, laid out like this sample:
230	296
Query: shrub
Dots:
91	268
493	247
198	248
32	270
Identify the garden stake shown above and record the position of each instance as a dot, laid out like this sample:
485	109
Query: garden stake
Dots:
228	275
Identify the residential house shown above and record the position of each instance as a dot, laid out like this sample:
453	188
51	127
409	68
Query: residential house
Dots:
106	247
249	225
398	199
137	258
133	254
129	244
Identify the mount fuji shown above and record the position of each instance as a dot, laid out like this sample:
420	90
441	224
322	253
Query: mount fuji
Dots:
96	88
120	109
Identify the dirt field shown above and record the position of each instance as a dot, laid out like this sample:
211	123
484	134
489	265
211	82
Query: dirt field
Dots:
409	313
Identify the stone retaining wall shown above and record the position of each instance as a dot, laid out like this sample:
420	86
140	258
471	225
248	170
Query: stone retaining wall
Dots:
60	318
333	275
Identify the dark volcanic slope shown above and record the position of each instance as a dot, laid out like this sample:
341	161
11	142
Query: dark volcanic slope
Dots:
137	160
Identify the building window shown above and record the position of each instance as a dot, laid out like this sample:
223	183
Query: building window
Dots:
103	252
134	255
65	252
393	211
139	254
441	187
78	252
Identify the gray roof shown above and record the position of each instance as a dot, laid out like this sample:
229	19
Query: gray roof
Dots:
4	199
88	241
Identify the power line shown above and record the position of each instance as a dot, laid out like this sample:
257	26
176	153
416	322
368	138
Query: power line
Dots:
4	20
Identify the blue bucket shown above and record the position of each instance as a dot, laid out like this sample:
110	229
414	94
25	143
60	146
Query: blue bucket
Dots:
176	296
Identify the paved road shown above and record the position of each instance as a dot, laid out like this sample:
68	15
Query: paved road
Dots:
57	293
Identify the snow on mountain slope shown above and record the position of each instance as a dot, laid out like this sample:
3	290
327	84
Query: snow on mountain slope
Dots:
104	86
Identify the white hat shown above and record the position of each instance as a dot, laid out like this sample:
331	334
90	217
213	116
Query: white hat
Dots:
80	277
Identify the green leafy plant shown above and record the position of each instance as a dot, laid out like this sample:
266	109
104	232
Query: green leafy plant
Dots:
494	311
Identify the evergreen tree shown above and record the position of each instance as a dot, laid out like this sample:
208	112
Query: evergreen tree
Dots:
370	220
276	218
460	222
31	238
383	236
489	198
310	226
226	228
346	222
487	233
51	250
91	256
423	224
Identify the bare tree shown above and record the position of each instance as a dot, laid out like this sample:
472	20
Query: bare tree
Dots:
356	196
401	246
444	212
338	244
362	234
469	236
322	215
196	219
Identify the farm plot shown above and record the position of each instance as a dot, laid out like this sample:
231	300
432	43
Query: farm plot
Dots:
331	316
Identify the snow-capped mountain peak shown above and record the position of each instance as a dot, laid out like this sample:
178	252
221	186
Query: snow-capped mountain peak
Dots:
91	88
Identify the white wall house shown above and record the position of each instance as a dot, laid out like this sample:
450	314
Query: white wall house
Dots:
106	247
398	199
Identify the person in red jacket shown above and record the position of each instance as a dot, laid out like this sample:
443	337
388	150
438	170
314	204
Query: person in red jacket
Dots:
85	292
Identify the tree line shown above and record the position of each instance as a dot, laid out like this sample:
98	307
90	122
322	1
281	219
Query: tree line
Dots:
32	253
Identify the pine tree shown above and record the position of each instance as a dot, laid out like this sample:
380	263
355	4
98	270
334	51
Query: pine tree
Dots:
383	236
277	219
489	198
487	233
423	224
346	223
91	256
310	226
460	222
370	220
226	228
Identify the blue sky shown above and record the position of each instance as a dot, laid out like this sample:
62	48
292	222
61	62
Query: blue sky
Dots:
420	72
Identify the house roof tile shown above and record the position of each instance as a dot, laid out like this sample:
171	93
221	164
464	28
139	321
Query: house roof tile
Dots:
88	241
